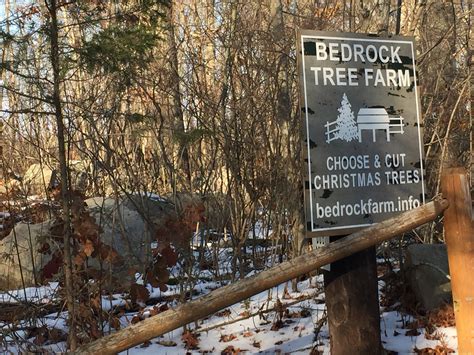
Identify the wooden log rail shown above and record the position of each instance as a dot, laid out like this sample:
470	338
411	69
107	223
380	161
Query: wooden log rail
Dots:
226	296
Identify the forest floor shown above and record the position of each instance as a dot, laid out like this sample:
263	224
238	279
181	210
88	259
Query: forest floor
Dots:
277	321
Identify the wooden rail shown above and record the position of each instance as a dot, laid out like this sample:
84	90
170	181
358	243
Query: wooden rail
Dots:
228	295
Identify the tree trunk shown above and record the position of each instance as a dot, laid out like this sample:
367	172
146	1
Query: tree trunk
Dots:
63	166
178	118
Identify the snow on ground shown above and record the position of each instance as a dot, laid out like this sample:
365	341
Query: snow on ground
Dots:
43	294
4	215
232	330
256	334
396	336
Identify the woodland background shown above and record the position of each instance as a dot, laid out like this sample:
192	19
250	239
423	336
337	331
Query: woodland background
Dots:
201	97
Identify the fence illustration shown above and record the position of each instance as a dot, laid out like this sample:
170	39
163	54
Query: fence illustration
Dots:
370	119
331	134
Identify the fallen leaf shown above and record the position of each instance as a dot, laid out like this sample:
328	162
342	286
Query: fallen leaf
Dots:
79	259
146	344
163	287
277	325
56	335
162	274
139	293
190	340
256	344
170	256
53	266
154	311
88	247
412	332
439	350
224	313
230	350
227	337
167	343
115	323
45	248
135	319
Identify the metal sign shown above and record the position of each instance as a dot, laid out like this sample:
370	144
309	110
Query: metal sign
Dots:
363	143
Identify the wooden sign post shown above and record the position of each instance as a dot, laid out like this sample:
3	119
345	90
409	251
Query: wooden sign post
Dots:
352	304
364	156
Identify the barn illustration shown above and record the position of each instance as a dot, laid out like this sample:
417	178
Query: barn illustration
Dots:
347	127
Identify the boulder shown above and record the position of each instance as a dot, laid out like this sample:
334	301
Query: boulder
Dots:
19	259
80	170
127	223
427	272
217	207
128	226
38	178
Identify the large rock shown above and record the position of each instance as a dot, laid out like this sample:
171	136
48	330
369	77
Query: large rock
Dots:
127	225
19	259
80	170
427	271
38	178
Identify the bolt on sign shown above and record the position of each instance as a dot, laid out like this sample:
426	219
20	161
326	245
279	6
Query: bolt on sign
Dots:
363	145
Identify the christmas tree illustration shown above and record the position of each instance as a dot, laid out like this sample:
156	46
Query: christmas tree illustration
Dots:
346	125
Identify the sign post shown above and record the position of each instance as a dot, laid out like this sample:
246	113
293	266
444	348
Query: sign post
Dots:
364	161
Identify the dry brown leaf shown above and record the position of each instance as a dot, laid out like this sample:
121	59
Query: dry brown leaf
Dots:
412	333
79	259
135	320
170	256
225	338
163	275
88	247
146	344
224	313
439	350
167	343
245	314
230	350
139	293
115	323
190	340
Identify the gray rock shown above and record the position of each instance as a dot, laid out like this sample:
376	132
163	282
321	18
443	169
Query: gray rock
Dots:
127	224
79	174
19	259
428	274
